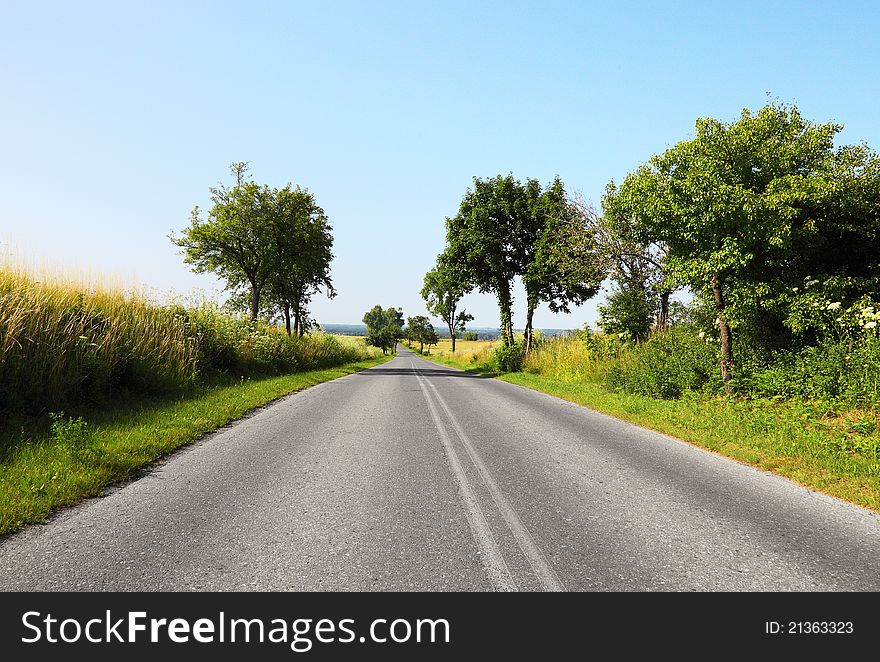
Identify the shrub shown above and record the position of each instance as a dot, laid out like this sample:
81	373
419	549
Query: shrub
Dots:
667	365
844	371
508	358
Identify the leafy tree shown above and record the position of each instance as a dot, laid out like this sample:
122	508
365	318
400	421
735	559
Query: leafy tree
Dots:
384	327
505	228
235	240
628	310
431	338
444	287
303	251
470	335
638	269
419	328
481	241
836	244
562	263
729	201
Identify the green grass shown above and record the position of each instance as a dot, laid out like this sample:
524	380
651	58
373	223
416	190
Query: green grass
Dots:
830	451
46	467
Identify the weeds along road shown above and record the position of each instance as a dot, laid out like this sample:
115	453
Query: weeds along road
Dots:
415	476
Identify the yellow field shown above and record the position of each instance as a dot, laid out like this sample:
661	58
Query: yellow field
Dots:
467	352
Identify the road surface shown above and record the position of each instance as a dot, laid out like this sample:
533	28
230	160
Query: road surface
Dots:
413	476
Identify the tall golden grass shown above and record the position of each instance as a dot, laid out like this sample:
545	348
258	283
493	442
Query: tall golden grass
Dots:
583	357
67	340
64	339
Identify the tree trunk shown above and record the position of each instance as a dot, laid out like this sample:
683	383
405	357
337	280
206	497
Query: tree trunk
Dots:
528	332
287	316
255	301
421	346
452	335
504	304
726	337
663	320
297	319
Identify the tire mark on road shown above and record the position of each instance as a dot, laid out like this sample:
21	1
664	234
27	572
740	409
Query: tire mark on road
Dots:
538	562
499	573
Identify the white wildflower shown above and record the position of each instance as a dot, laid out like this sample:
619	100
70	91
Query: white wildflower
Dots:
794	289
702	334
870	325
834	305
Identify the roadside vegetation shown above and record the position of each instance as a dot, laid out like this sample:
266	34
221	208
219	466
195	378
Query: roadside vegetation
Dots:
773	234
96	381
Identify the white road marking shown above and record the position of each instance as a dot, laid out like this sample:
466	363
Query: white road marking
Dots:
499	573
540	565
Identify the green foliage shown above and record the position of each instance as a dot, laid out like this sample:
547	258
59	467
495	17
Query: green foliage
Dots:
481	240
667	365
843	372
470	335
506	228
420	330
302	251
627	311
271	242
64	430
384	327
732	201
444	286
562	264
508	357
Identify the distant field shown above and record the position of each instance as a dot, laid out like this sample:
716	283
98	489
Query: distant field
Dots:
468	353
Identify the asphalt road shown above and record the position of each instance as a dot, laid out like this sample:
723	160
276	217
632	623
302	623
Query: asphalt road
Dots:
413	476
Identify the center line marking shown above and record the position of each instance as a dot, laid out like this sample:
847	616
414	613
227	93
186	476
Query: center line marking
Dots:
492	558
538	562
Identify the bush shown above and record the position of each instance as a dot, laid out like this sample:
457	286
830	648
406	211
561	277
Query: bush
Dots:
508	358
667	365
844	371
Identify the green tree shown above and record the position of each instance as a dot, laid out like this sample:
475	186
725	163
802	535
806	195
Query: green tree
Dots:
729	201
638	269
505	228
418	327
431	338
628	310
444	286
303	251
235	241
384	327
481	241
561	260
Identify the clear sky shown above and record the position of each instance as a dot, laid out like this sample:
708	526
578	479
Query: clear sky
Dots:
117	116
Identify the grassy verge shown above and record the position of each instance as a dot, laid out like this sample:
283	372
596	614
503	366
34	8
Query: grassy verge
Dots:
42	470
832	452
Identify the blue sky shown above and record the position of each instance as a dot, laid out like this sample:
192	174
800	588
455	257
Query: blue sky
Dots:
116	117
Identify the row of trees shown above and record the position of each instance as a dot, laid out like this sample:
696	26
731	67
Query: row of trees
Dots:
273	247
751	216
506	228
385	329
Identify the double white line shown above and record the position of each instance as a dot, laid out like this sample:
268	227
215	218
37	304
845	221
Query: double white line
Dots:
499	572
